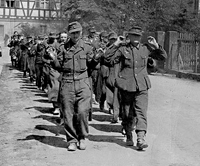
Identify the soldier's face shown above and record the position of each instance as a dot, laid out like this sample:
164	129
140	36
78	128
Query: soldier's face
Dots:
75	36
63	37
104	39
134	38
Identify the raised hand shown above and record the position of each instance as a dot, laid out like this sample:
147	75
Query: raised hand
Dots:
152	42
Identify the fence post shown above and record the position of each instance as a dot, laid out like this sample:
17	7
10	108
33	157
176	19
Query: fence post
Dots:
160	37
196	55
178	54
170	39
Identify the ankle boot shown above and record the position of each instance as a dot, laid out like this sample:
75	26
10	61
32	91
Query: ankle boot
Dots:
141	143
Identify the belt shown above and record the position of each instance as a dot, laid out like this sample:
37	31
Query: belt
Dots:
75	75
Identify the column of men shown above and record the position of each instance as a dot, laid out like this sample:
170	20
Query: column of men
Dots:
75	72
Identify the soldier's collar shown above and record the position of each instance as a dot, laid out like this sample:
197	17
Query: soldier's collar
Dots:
80	43
137	46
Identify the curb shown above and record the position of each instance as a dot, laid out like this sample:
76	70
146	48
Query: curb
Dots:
181	74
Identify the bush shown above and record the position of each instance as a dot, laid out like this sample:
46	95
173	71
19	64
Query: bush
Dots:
29	30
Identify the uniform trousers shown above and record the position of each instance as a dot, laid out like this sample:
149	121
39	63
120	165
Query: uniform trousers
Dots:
134	105
39	73
75	96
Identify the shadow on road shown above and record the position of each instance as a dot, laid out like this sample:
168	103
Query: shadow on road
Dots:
102	118
42	100
48	140
41	94
57	130
44	110
107	127
103	111
27	87
52	119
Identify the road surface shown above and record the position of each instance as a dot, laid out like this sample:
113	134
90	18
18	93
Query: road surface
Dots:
29	135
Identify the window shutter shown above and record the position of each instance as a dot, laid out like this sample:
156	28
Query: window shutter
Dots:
37	4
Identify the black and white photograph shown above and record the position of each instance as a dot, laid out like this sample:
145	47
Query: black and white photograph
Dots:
99	82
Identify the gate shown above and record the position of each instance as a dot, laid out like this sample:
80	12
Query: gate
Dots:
185	54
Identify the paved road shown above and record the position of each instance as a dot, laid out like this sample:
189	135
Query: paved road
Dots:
29	135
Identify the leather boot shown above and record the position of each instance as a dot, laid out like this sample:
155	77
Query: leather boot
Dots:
141	143
129	139
72	146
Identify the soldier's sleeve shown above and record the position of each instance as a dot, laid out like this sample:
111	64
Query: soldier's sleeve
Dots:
92	59
158	54
112	55
60	56
45	58
59	59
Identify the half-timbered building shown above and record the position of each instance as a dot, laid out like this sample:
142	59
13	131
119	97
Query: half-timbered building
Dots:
35	12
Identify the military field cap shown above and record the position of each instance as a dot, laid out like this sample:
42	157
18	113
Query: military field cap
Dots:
92	29
112	35
104	34
74	27
52	35
40	37
135	30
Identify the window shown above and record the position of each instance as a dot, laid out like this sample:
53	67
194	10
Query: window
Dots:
10	3
17	2
42	4
2	3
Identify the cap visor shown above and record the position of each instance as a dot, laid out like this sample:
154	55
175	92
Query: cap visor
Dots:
75	30
134	33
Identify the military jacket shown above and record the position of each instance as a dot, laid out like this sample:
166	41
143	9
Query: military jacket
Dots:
73	60
39	53
132	75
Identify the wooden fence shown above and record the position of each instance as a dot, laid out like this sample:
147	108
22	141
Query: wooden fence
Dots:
185	54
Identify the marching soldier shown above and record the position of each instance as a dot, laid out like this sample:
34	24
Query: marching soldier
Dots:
14	49
50	73
40	51
24	54
112	96
93	40
102	74
75	89
31	59
133	82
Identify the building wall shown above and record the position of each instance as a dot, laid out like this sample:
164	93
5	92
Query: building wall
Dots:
34	12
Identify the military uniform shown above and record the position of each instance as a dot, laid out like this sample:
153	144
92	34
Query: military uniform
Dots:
75	89
39	63
14	49
133	83
51	75
24	56
94	42
31	61
102	73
